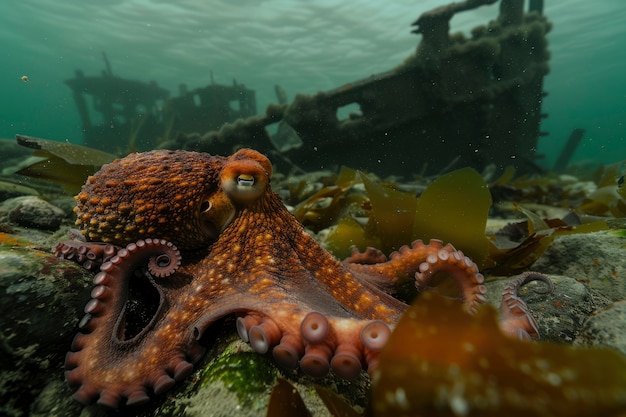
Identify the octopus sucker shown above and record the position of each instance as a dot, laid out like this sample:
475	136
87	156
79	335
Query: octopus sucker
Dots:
221	243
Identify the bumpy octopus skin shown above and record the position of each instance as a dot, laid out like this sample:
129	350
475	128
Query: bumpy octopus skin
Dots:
205	237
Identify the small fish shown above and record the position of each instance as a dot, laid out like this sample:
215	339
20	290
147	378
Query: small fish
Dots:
620	182
25	78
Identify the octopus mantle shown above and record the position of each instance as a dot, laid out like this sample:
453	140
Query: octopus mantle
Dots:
182	239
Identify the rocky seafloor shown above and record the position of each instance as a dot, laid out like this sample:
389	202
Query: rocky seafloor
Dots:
42	297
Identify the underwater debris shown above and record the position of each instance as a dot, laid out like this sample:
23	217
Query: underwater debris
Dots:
454	100
139	116
568	150
440	361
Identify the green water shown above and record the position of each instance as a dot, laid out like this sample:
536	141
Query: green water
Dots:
305	46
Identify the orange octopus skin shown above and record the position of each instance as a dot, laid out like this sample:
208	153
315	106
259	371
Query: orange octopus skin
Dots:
208	238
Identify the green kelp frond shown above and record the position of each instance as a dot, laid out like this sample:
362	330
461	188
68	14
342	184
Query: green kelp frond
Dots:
455	208
440	361
391	216
62	163
349	233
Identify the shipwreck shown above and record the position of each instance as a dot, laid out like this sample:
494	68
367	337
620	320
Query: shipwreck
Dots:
455	101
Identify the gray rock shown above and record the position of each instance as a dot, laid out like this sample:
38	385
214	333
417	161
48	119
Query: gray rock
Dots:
595	259
606	328
559	314
41	299
32	211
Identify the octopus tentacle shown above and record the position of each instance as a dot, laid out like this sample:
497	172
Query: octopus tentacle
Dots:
321	343
423	261
88	254
458	266
515	318
105	314
370	256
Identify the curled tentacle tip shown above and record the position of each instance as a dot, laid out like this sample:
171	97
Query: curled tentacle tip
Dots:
529	276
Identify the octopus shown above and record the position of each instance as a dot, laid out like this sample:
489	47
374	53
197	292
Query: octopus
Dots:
181	239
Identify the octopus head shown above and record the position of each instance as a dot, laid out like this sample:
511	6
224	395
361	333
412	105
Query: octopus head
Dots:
187	198
172	195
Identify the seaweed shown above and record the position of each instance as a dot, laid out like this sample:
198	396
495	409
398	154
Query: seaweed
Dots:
455	208
285	401
62	163
442	361
517	246
335	404
331	203
349	233
392	215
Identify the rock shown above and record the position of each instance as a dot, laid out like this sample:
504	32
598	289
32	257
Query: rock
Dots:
606	328
41	298
32	211
559	314
595	259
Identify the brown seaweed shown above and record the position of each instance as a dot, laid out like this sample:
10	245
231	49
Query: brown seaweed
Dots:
455	208
440	361
517	246
285	401
62	163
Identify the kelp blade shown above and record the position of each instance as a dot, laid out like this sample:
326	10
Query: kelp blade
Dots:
62	163
440	361
455	208
285	401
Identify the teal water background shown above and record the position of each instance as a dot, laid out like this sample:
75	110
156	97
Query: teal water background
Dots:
305	46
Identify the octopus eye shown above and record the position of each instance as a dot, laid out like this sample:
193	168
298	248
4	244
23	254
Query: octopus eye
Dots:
215	215
244	180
